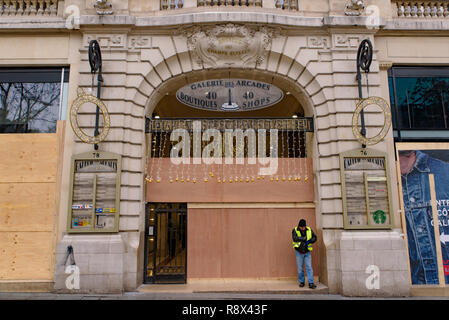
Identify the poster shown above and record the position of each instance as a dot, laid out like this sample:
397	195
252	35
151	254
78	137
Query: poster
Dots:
415	165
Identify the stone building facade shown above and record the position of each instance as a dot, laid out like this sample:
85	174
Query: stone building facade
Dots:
150	49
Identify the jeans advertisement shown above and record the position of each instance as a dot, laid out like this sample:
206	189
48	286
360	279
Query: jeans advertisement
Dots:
415	168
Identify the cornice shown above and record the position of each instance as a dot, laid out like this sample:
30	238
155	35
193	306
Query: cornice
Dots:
286	22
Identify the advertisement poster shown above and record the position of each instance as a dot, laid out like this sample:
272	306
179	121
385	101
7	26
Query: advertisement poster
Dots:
415	167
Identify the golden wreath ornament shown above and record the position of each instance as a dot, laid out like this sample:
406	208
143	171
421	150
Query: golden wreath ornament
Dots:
76	105
362	104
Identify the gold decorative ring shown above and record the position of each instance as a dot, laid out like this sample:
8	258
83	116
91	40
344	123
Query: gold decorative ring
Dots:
362	104
76	105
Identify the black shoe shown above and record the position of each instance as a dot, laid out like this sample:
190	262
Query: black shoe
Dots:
301	284
312	286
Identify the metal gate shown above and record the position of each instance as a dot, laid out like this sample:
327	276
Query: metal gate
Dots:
166	243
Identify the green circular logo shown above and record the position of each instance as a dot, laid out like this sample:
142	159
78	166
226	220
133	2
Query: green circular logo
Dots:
379	217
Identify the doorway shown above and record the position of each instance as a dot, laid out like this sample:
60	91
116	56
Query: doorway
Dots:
165	243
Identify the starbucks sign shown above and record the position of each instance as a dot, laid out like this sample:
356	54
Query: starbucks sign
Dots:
229	95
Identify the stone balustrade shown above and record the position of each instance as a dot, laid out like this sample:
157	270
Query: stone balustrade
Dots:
29	8
228	3
286	4
280	4
172	4
421	9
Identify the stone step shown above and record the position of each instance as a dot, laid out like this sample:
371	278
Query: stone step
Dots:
240	286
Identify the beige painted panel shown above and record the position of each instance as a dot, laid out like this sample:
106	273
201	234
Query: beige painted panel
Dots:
245	243
26	206
31	47
30	157
261	190
430	47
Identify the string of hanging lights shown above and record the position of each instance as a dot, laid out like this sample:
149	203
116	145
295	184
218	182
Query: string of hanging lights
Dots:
293	131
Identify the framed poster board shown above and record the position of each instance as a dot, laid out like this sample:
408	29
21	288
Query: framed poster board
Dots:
365	187
94	201
423	174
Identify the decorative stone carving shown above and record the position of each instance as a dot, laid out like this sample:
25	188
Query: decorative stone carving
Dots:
354	8
385	65
139	42
103	7
341	41
229	45
107	41
318	42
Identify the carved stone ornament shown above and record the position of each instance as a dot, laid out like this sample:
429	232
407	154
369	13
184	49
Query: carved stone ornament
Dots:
354	8
229	45
103	7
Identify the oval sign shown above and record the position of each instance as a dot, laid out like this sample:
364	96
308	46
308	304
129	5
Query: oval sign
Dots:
229	95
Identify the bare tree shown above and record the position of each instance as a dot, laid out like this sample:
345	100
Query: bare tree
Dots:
424	103
29	107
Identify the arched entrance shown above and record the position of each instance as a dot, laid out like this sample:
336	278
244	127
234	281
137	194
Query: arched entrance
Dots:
226	219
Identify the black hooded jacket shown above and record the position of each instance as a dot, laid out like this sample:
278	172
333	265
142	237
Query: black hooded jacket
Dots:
303	246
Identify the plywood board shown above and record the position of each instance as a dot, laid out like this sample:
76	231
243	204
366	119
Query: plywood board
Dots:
30	158
25	255
26	206
436	230
245	243
60	131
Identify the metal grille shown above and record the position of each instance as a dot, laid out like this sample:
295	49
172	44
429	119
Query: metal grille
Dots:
291	139
283	124
166	243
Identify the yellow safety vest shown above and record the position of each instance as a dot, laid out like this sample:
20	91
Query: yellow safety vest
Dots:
308	237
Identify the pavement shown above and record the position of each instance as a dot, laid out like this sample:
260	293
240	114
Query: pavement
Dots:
210	290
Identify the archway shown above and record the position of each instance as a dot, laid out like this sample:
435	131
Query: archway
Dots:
227	206
165	92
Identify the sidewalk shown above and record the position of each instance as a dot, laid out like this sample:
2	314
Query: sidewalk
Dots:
236	286
210	290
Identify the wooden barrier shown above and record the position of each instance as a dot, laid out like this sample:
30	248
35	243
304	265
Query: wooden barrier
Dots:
245	243
28	184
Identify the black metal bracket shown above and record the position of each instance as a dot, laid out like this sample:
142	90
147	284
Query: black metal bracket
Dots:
364	59
69	254
96	64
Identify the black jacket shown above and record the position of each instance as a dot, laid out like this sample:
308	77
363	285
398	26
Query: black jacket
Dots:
303	246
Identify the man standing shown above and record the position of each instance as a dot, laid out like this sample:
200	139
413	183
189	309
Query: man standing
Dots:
303	237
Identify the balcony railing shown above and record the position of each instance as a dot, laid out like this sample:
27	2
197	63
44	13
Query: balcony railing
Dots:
29	8
286	4
280	4
172	4
229	3
422	9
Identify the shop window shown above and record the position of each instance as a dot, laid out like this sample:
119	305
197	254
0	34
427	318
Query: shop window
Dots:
420	102
32	99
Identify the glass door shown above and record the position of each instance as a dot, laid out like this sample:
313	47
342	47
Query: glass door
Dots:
166	243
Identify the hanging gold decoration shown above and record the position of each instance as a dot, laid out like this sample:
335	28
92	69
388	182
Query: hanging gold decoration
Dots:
362	104
74	110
